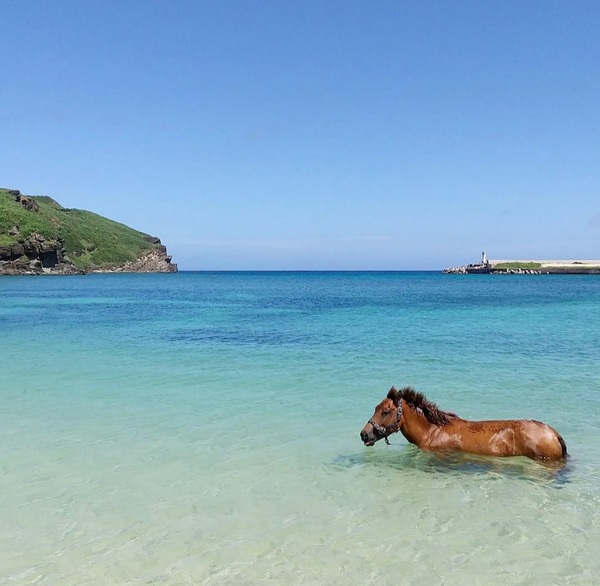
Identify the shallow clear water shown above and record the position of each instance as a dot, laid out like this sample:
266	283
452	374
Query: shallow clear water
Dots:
202	428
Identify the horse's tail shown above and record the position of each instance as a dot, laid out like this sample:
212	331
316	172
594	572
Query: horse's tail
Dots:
563	445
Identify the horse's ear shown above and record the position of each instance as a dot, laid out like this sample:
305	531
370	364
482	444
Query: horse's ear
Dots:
393	395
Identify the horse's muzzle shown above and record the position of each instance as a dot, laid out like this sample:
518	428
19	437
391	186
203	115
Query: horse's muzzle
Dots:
368	439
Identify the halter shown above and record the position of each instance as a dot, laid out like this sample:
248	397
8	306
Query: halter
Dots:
383	431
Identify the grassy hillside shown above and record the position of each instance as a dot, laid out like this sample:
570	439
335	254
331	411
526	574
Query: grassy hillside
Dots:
90	239
517	265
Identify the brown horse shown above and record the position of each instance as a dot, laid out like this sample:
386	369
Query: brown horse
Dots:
422	423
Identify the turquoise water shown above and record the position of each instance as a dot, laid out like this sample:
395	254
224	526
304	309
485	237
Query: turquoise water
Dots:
202	428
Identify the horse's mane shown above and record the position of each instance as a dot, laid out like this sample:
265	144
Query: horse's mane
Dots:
418	401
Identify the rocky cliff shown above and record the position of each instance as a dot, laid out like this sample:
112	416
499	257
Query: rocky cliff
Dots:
155	260
35	256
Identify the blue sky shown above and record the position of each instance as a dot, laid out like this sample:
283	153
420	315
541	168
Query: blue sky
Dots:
316	134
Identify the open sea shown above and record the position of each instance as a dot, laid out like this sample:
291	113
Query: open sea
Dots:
203	428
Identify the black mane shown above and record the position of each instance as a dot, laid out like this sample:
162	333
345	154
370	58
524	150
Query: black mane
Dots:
418	401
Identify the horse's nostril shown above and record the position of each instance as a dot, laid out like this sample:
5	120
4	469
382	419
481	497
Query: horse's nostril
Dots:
363	435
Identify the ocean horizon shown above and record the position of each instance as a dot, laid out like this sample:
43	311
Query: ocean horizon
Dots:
203	427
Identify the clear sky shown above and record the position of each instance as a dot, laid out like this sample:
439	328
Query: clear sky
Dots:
304	134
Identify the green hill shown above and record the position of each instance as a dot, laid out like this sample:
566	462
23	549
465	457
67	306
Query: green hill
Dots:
89	241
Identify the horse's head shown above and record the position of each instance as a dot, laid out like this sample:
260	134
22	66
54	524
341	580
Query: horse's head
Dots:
385	421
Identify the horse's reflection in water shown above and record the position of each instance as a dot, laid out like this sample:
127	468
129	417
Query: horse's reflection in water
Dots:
462	463
410	459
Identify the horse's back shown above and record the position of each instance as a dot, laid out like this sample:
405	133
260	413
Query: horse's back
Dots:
514	437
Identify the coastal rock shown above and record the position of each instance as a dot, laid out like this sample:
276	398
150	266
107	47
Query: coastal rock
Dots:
29	204
36	256
155	260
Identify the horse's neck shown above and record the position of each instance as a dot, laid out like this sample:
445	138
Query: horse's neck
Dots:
415	427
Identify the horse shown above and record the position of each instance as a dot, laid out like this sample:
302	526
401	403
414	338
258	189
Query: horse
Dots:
422	423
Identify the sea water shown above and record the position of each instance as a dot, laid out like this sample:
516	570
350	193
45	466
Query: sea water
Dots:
203	428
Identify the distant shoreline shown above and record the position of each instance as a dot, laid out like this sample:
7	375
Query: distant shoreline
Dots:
529	267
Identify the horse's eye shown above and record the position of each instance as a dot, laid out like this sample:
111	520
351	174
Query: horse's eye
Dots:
386	411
